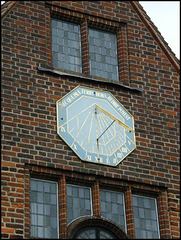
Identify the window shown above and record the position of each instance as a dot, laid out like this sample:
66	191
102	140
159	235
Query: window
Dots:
145	217
44	209
68	49
66	45
78	202
112	207
103	54
62	207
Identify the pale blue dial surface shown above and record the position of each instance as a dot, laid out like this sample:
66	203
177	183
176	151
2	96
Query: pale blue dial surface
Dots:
95	126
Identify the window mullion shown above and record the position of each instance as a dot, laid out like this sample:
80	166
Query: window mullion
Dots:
96	199
85	47
123	54
63	208
129	213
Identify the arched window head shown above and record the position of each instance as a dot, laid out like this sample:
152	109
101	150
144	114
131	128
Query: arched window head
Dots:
93	227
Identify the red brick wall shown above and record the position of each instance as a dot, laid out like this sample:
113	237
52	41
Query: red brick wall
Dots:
29	136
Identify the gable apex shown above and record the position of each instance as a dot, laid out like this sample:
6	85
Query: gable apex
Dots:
156	34
8	5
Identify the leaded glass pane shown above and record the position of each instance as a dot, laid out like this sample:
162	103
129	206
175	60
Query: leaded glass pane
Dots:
40	209
112	207
47	186
78	202
47	232
103	51
53	199
145	217
40	197
66	41
44	211
34	196
40	186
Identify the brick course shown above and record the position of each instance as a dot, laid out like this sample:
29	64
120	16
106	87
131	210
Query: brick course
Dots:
30	142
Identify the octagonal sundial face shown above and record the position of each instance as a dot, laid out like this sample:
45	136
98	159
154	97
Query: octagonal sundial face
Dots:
95	126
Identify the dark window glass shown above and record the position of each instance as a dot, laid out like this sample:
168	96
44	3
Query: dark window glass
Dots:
94	233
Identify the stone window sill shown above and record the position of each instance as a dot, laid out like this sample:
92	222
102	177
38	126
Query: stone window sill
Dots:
90	79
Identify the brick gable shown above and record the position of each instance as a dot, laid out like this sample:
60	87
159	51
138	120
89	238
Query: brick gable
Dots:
30	143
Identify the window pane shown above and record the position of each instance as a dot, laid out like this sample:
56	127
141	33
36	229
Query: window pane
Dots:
145	217
112	207
78	202
66	45
44	209
103	54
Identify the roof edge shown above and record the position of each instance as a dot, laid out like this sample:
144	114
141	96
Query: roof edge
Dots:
170	57
8	9
173	59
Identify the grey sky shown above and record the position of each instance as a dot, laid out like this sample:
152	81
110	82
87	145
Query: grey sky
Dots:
166	17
